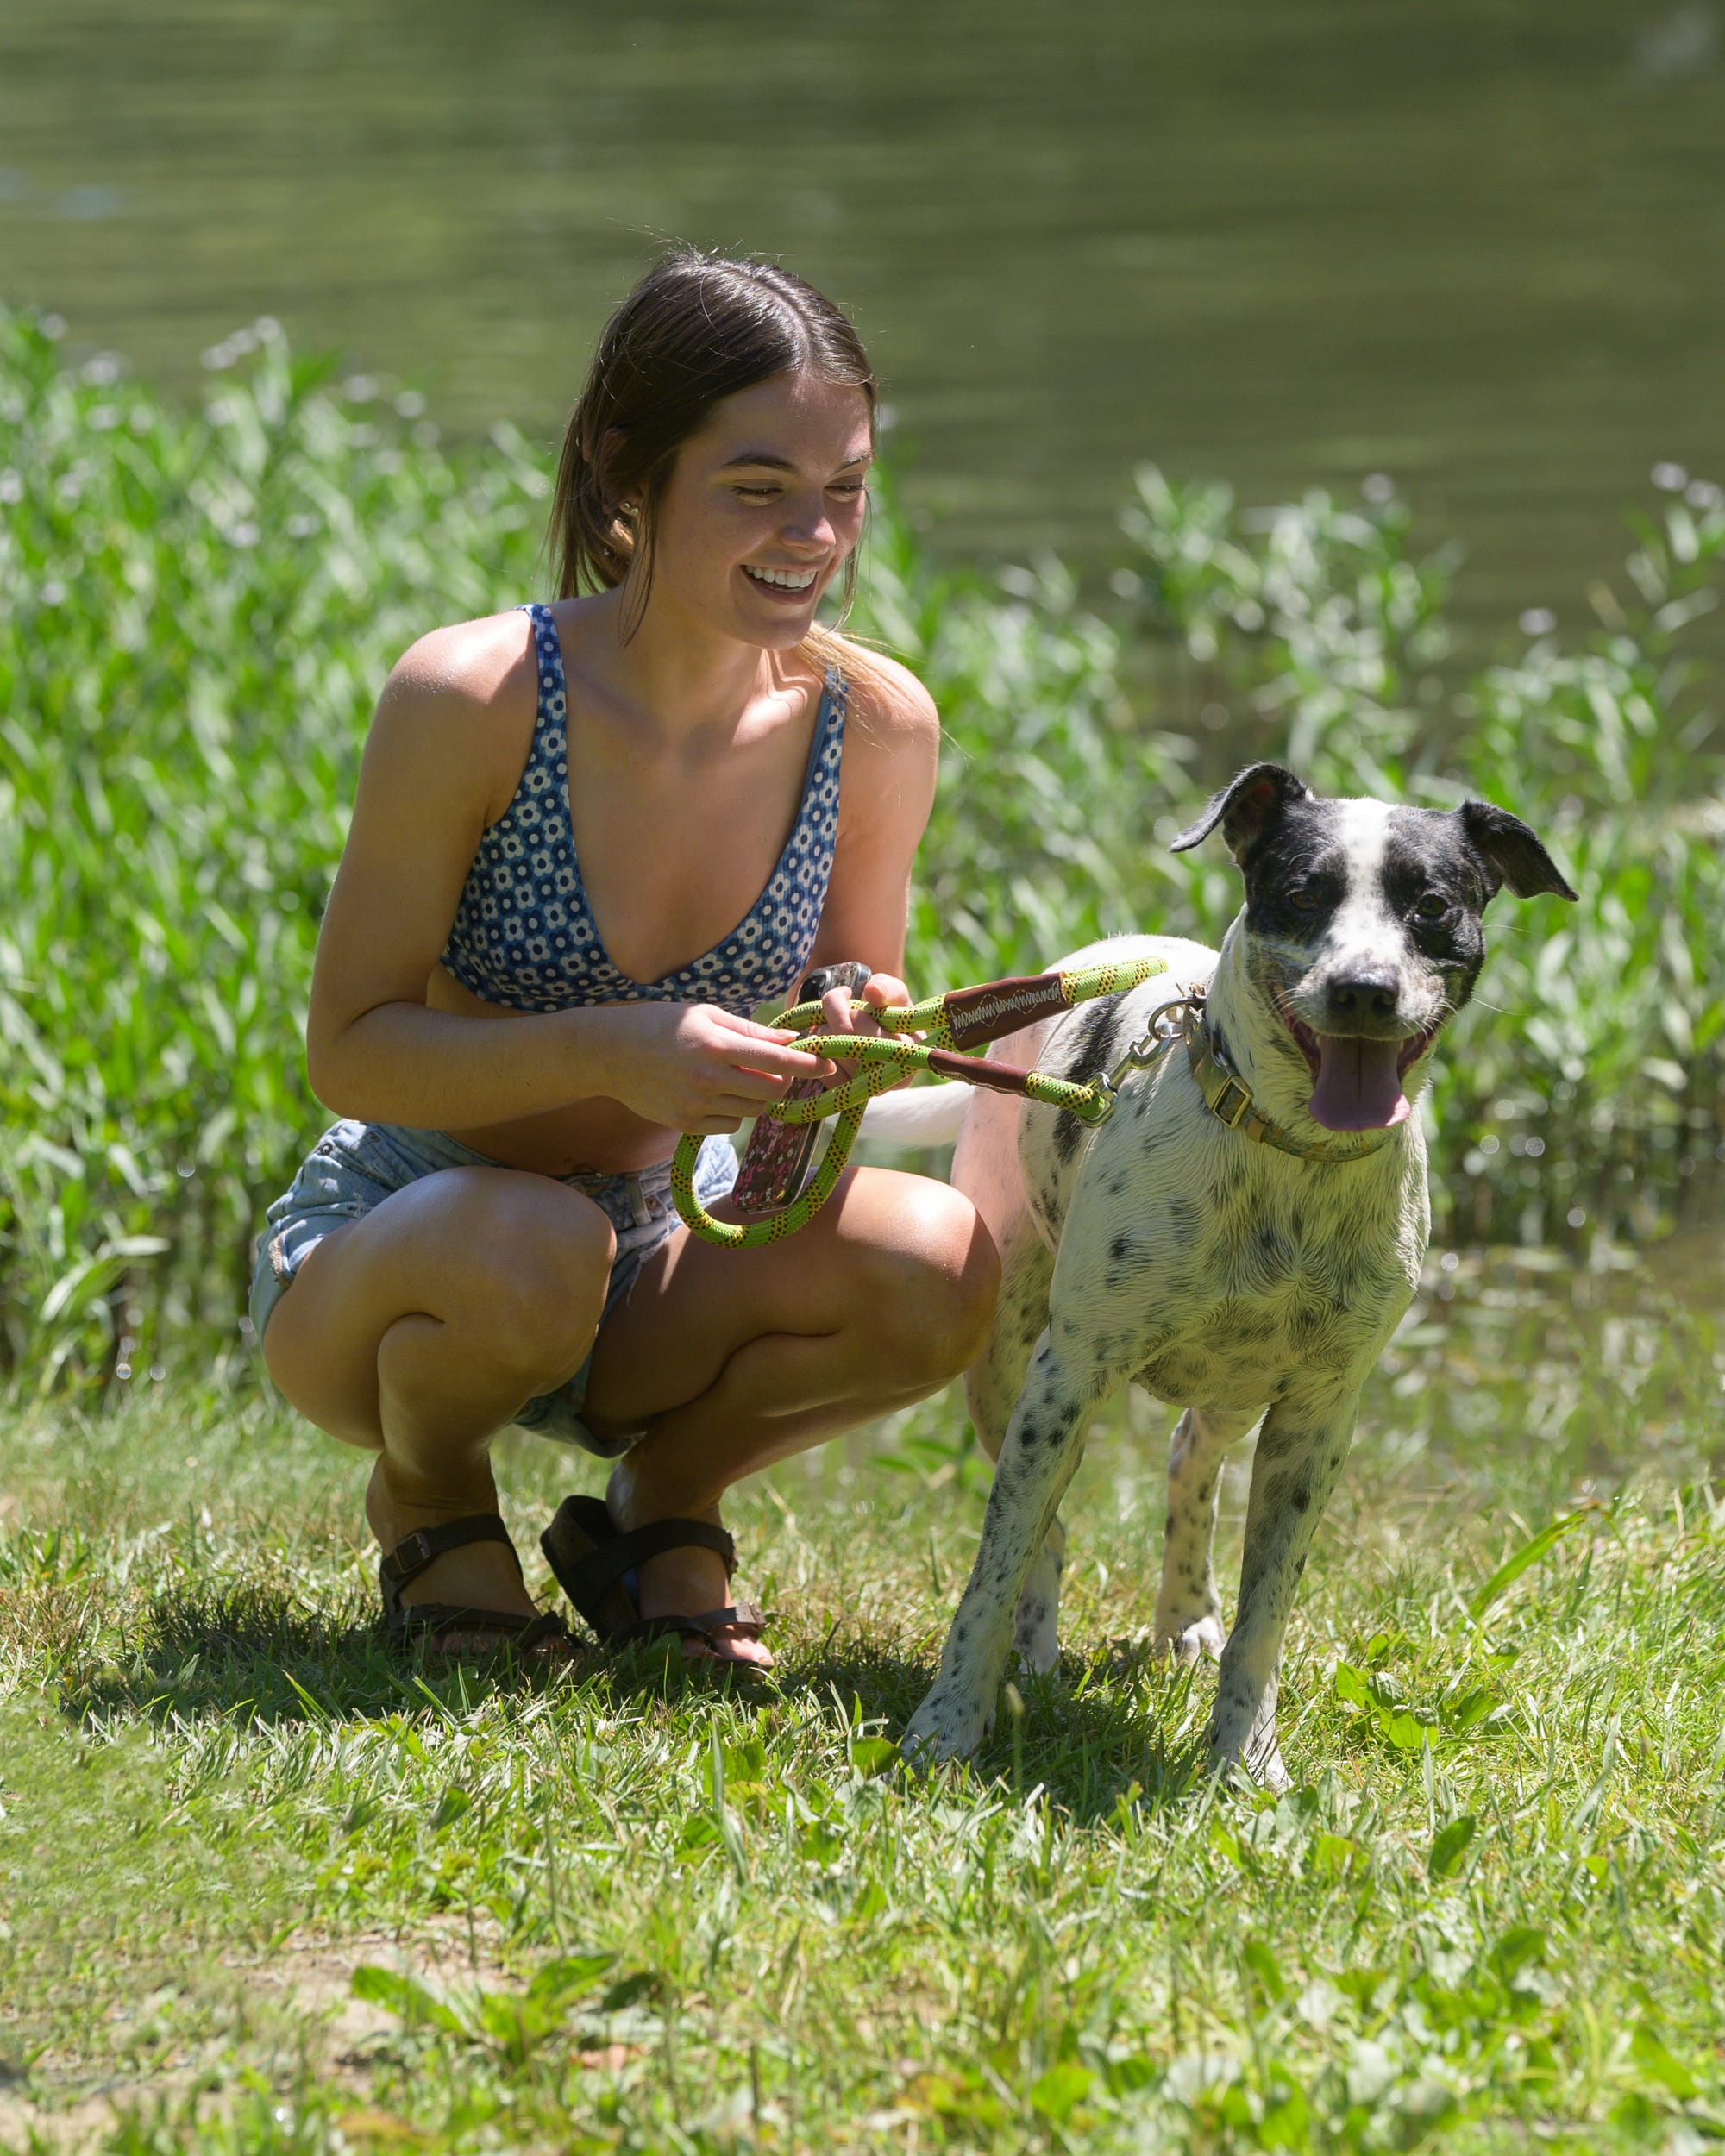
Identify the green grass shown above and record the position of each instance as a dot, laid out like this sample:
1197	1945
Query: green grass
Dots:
615	1911
197	608
263	1888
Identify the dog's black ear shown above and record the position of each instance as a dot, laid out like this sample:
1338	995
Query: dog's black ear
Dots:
1245	808
1511	851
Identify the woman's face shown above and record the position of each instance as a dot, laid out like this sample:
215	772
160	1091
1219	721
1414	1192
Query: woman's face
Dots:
761	507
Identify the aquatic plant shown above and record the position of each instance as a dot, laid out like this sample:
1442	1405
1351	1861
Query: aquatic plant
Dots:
1585	1091
198	604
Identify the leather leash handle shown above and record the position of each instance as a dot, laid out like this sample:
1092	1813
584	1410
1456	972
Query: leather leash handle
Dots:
963	1016
966	1017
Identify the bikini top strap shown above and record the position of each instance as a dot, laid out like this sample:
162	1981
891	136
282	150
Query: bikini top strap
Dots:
829	719
551	709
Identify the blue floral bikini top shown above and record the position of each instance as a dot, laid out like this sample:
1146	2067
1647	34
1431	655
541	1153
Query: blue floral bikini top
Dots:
524	934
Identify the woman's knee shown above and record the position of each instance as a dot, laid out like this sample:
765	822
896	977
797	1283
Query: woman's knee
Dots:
514	1264
535	1265
931	1288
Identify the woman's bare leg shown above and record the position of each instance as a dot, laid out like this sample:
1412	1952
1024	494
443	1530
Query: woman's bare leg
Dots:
419	1331
729	1360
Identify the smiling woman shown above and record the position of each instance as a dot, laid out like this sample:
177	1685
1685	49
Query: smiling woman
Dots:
668	362
590	838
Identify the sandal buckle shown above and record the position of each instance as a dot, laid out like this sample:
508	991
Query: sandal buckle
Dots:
424	1551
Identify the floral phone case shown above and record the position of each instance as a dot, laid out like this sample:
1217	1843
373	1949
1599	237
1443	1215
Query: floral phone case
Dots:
777	1158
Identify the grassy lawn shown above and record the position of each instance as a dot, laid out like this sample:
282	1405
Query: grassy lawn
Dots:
261	1887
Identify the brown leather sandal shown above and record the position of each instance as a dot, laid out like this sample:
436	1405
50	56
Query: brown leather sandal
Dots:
591	1559
415	1623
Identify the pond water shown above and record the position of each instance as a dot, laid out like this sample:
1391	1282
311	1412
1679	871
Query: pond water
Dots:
1475	245
1521	1383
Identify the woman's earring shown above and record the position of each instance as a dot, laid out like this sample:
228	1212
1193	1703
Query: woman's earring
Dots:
626	509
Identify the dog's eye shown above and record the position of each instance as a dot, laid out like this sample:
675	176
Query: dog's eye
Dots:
1431	908
1303	900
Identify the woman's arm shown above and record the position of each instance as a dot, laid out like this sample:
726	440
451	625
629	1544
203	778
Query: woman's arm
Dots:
442	759
892	759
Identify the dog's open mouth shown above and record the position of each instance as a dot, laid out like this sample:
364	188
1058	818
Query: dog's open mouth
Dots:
1357	1083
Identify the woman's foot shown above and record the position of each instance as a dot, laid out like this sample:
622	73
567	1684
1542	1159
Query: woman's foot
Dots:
478	1576
683	1583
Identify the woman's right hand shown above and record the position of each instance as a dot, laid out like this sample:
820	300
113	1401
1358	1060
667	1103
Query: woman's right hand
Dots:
693	1067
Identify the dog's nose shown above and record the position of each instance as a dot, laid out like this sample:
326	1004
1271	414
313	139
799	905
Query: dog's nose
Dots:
1363	995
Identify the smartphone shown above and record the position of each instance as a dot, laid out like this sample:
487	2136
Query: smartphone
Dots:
778	1158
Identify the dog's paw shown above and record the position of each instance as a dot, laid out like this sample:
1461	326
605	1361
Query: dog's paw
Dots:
1037	1657
1185	1640
1259	1757
1035	1640
947	1725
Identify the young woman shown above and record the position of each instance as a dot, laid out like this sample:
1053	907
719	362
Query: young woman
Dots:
589	838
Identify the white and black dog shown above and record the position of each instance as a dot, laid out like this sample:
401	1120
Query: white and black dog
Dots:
1241	1236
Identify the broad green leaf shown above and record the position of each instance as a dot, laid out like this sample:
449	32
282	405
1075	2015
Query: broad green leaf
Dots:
1657	2064
1527	1556
873	1755
1451	1845
1406	1732
1519	1946
1472	1708
568	1973
698	1833
1060	2090
1333	1854
1350	1688
406	1997
452	1805
1263	1965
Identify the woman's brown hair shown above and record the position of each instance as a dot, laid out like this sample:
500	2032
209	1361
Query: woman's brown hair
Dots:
697	328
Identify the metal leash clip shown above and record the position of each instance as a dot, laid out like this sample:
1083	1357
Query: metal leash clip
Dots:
1168	1026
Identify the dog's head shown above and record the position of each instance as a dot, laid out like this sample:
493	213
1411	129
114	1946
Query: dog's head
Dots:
1363	925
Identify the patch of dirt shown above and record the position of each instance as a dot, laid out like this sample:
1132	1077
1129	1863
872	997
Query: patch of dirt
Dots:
305	1980
75	2127
312	1978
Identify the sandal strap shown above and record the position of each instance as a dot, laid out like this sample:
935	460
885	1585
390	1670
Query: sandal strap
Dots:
414	1552
746	1618
419	1620
586	1579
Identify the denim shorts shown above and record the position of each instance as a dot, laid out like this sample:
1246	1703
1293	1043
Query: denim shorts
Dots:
356	1166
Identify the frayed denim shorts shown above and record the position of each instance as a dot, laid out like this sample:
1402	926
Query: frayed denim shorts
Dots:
354	1167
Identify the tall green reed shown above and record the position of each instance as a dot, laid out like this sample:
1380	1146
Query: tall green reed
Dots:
199	607
1585	1089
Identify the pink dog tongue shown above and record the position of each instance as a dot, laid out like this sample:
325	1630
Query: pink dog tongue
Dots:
1358	1086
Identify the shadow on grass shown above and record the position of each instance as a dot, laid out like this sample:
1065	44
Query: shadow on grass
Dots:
257	1653
1099	1733
1099	1730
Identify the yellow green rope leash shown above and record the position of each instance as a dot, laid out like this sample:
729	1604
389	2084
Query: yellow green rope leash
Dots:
964	1018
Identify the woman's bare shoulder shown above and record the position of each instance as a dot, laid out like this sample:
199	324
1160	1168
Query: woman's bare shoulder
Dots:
892	755
465	696
887	699
464	669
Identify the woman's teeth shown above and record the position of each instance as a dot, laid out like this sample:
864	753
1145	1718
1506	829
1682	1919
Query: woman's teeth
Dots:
782	580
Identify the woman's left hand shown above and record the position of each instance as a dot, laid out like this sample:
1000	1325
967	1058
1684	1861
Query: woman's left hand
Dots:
880	993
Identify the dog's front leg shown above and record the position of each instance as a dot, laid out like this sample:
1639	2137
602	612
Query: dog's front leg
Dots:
1042	1444
1188	1610
1036	1634
1300	1451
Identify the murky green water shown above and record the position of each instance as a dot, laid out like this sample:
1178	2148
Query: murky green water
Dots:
1476	244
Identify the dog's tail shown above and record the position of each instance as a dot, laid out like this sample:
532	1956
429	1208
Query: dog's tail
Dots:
924	1115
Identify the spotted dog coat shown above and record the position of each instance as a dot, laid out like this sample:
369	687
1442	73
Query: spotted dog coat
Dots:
1232	1279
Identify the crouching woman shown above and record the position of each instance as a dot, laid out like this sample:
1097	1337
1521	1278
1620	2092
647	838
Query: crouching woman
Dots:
591	836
